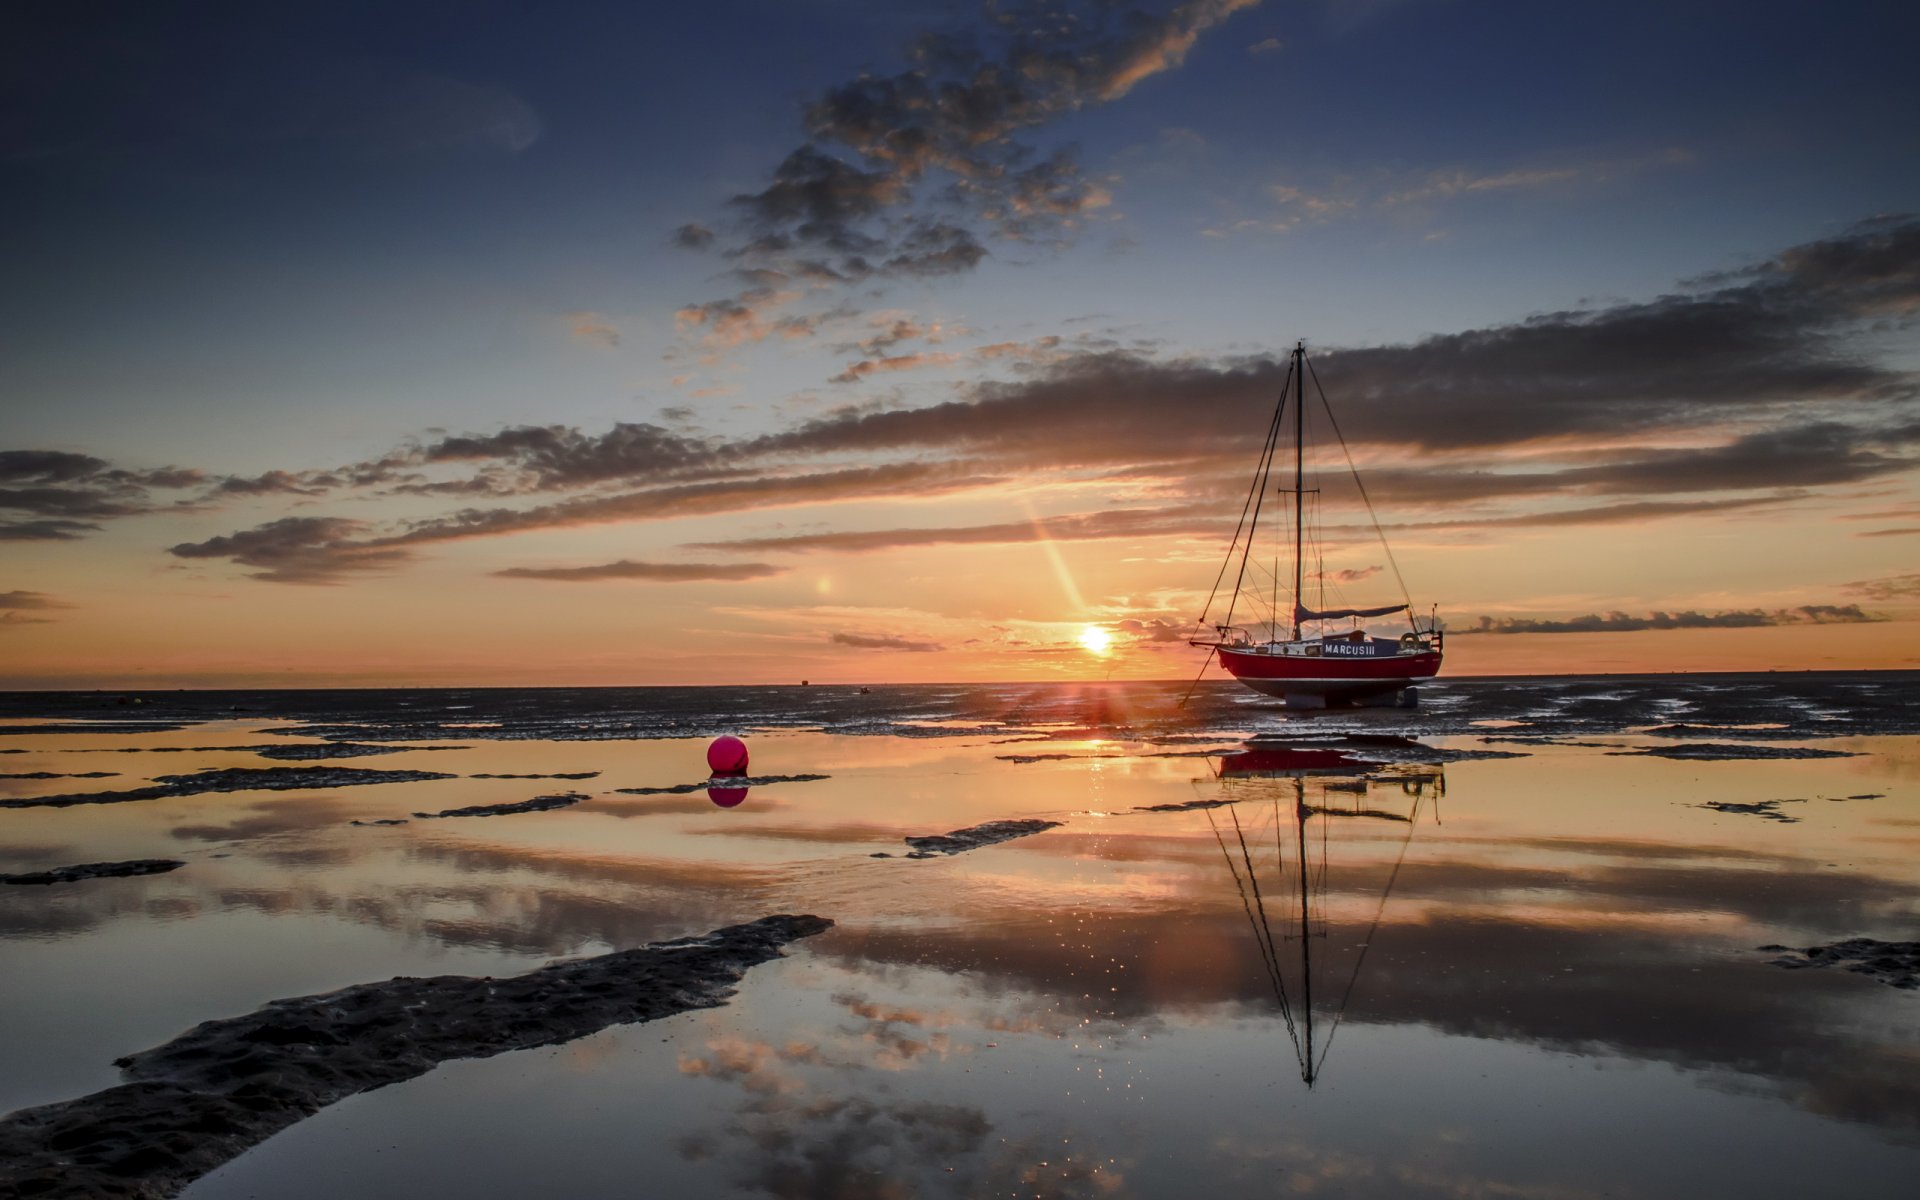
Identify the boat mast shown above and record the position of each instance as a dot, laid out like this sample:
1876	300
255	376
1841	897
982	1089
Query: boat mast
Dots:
1306	924
1299	480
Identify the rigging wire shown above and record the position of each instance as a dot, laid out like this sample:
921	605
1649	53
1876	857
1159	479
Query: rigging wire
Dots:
1260	497
1372	931
1364	498
1262	932
1254	494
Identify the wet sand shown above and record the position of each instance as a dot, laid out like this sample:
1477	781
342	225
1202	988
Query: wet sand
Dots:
1221	949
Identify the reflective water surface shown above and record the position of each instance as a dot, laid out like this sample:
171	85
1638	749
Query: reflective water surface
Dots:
1502	945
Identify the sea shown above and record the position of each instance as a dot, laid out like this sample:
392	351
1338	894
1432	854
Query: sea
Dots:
1556	937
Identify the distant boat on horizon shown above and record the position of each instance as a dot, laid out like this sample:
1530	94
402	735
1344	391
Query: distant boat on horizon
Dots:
1327	667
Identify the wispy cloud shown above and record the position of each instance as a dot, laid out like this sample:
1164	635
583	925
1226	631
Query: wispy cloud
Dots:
592	329
1891	587
306	550
648	572
890	363
19	608
1297	203
65	495
1619	622
861	641
1118	523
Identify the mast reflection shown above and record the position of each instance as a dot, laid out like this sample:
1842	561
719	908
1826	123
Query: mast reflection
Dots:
1292	801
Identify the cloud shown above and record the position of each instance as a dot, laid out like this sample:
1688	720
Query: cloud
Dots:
1630	513
1297	204
307	550
651	572
277	483
1893	587
1619	622
18	609
553	457
47	466
65	495
865	642
899	362
1741	392
1449	184
1691	359
901	173
328	549
1115	523
53	530
1266	46
594	330
693	236
1156	629
745	318
892	329
699	499
1353	574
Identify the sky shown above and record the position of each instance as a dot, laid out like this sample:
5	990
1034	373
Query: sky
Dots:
354	344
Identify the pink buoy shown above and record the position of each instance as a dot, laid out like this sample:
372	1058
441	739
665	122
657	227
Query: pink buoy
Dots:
727	797
727	755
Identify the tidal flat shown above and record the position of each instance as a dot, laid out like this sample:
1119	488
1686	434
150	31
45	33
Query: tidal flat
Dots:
1611	936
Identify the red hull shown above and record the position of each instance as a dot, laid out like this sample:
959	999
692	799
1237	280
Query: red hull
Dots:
1329	677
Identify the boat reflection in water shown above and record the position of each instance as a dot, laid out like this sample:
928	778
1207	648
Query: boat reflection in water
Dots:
1282	816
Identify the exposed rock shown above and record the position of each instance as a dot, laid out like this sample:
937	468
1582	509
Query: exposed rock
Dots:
1187	806
230	779
961	840
91	727
1034	758
100	870
1770	809
381	821
537	804
227	1085
1726	752
1541	739
310	751
555	775
63	775
1681	729
1894	963
732	781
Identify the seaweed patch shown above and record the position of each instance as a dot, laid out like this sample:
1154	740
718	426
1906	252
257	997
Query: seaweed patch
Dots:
959	841
537	804
227	1085
99	870
231	779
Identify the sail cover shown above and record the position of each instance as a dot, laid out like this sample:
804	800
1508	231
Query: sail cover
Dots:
1302	613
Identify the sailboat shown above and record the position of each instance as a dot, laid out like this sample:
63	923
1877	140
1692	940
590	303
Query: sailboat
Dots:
1316	665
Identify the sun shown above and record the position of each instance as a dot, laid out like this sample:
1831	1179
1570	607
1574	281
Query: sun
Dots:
1097	640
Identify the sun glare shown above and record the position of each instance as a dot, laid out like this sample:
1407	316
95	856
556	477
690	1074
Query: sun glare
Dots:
1096	640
